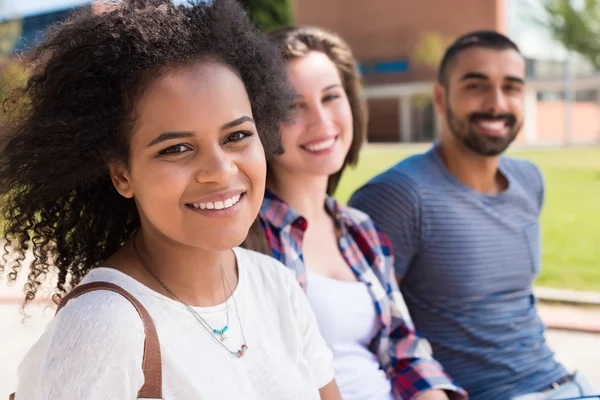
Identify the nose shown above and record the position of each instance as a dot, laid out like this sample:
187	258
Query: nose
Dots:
318	119
496	101
215	165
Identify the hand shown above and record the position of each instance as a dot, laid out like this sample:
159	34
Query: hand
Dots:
433	394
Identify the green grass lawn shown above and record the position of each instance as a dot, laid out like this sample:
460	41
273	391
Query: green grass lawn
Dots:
570	220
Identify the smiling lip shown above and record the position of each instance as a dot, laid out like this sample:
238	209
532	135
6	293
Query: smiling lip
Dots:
222	204
492	127
320	146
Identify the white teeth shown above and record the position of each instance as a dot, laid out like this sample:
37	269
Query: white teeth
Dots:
492	124
217	205
320	146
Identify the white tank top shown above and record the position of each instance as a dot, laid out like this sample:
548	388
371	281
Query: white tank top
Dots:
347	320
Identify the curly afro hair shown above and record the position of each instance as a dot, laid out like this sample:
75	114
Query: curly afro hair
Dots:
75	113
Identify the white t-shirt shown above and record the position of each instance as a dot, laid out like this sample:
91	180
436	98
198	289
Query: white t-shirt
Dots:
348	320
93	348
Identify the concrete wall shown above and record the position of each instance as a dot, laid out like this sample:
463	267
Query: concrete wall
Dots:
551	117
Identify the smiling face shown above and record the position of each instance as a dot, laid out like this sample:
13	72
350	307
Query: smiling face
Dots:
317	140
197	167
482	101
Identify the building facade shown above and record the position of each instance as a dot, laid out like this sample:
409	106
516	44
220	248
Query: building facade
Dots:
388	35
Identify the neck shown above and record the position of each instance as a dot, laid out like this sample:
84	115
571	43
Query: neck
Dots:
473	170
305	194
191	274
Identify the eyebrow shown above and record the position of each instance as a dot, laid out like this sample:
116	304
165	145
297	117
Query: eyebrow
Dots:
479	75
335	85
186	134
237	122
332	86
170	135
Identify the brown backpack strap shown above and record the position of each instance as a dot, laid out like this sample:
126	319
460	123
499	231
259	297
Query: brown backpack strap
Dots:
152	361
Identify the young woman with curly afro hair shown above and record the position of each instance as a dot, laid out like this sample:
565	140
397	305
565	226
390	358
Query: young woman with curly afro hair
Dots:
135	155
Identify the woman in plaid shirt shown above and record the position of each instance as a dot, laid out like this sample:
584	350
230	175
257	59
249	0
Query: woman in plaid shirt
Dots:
340	258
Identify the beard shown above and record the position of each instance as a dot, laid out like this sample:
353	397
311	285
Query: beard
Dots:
464	131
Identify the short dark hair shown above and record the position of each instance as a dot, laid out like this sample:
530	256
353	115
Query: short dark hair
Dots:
75	115
486	39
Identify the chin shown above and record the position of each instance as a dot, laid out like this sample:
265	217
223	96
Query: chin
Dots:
218	239
327	169
220	244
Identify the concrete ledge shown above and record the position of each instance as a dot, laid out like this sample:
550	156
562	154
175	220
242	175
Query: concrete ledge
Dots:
567	296
570	318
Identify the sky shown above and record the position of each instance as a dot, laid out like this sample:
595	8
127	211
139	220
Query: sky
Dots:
31	7
531	36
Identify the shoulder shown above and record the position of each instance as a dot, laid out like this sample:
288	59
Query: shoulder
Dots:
366	226
98	328
102	313
524	173
522	167
371	240
408	173
404	180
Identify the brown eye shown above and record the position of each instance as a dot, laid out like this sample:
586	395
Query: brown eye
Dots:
176	149
237	136
330	97
473	86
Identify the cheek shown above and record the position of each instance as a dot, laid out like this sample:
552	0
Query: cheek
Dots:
517	107
252	163
344	117
161	182
462	108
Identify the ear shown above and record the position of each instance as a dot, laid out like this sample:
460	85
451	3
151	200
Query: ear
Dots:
121	179
439	98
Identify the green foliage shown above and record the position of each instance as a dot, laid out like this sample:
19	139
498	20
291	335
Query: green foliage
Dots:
270	14
429	51
12	75
10	31
577	28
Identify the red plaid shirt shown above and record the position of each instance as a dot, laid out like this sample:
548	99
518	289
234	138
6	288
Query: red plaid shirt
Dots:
401	352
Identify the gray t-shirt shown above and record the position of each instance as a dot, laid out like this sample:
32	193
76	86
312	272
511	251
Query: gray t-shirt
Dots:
467	262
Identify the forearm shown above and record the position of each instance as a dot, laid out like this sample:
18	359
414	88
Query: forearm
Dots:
330	391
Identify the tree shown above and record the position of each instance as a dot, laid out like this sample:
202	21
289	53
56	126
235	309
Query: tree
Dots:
12	73
428	51
576	28
270	14
10	32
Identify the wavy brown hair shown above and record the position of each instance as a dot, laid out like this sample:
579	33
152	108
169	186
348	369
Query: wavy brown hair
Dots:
74	117
297	41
